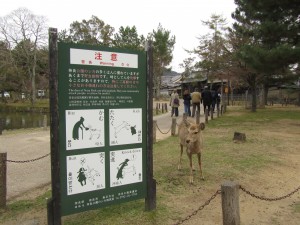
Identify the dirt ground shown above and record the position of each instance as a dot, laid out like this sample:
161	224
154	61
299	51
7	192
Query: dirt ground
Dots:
272	182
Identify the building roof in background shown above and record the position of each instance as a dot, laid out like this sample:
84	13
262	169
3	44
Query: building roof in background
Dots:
195	76
171	79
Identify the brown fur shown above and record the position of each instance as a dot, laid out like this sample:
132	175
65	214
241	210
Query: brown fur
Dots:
190	136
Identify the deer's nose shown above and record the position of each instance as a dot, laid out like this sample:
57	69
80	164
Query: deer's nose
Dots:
187	141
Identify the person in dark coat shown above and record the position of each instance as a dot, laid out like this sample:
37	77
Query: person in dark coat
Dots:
214	95
187	102
206	99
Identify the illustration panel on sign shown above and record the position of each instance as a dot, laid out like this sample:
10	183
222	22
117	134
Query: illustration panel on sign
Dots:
125	126
84	128
125	167
85	173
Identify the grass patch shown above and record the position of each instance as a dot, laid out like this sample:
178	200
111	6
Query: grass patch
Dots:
23	206
40	103
297	207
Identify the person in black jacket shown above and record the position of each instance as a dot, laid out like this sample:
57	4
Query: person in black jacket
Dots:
206	99
187	102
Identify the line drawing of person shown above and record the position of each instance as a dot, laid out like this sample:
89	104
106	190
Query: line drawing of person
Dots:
78	125
81	176
120	171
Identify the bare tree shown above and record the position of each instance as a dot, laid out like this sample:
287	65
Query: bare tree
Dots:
26	32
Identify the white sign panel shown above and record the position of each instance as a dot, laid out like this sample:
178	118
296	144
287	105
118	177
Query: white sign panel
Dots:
102	58
85	173
125	167
84	128
125	126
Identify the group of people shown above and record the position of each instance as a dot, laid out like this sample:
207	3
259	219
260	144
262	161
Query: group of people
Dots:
209	98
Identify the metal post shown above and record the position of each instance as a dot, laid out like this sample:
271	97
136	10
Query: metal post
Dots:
230	203
3	176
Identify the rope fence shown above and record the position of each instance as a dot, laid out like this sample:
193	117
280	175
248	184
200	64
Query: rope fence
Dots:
230	202
27	161
3	174
172	128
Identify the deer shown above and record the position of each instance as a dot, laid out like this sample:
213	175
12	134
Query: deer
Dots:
190	135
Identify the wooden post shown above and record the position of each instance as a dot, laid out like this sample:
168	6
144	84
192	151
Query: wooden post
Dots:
45	122
150	200
222	109
173	128
211	113
230	203
54	209
166	107
1	126
154	130
206	115
3	175
197	117
156	110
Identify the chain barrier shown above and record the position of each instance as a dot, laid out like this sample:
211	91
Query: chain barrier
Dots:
163	132
200	208
26	161
268	199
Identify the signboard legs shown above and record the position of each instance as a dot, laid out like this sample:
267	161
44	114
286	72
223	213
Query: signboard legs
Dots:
150	201
54	211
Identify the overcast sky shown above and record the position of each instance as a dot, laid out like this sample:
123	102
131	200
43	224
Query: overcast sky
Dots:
181	17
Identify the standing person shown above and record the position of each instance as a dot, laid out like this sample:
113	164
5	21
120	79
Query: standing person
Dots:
214	95
187	102
174	103
196	99
207	99
218	99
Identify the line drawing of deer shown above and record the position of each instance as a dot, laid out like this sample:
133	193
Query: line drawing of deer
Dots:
124	125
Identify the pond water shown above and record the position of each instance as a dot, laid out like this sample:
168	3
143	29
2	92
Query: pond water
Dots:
18	120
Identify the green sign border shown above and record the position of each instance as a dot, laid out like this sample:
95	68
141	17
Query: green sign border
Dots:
68	202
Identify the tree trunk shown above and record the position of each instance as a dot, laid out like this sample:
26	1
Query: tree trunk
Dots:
252	82
266	91
254	100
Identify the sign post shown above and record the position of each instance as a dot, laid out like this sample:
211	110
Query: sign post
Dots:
54	208
150	201
104	117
